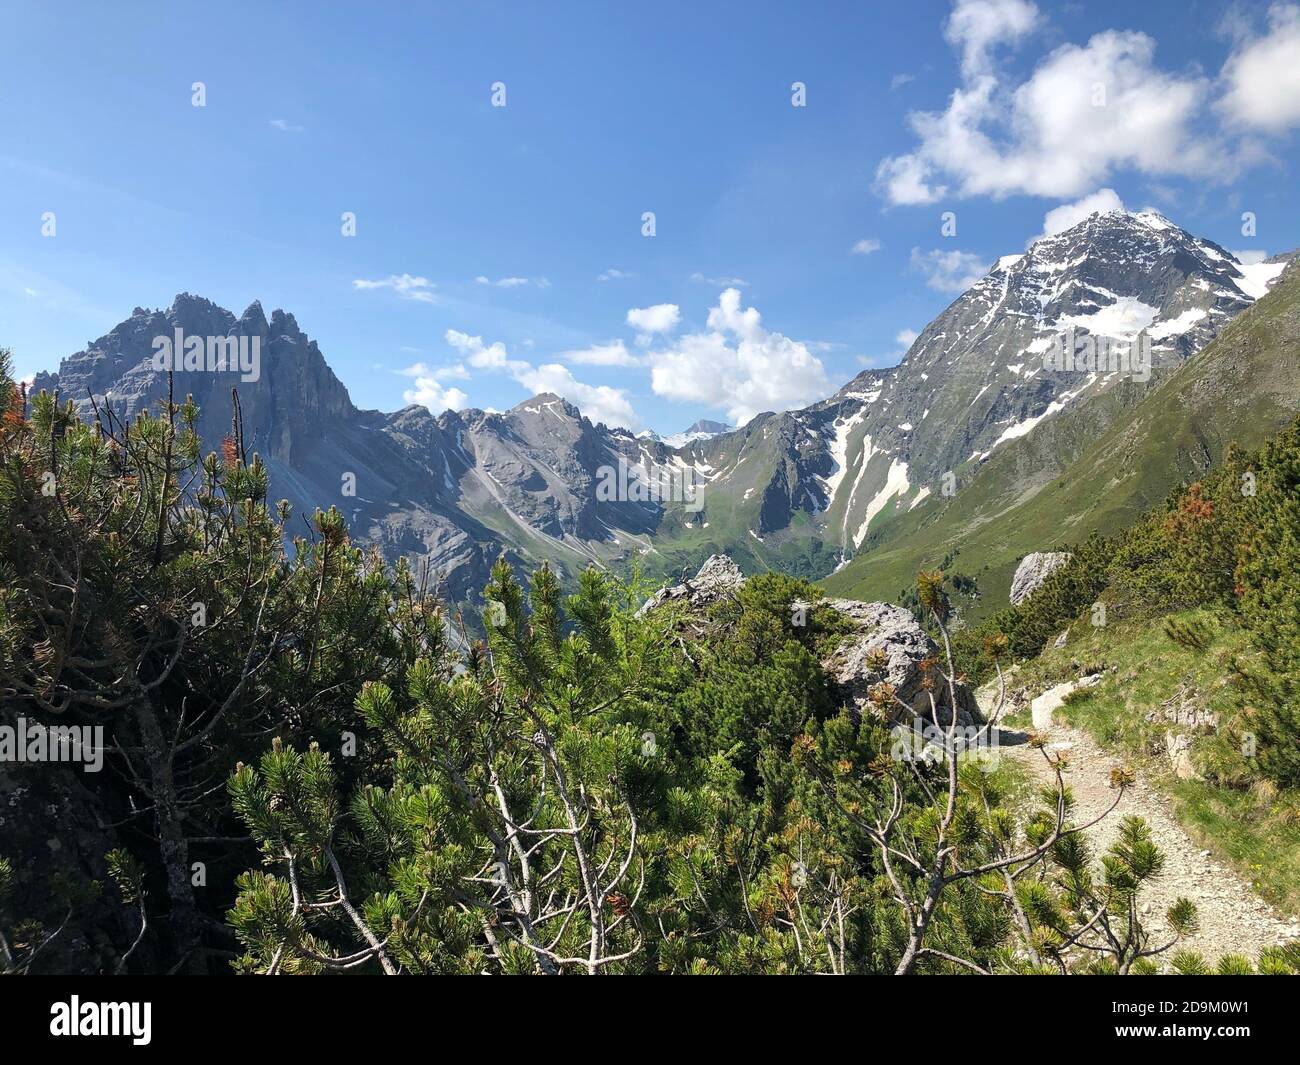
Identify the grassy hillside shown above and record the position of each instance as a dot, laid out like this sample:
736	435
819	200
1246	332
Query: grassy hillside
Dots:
1097	467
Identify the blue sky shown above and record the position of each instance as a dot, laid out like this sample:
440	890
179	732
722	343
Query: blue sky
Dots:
681	109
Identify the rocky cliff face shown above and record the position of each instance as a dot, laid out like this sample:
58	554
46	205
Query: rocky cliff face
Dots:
294	401
455	491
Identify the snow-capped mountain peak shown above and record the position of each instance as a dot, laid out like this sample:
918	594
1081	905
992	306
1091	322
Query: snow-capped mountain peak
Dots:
983	372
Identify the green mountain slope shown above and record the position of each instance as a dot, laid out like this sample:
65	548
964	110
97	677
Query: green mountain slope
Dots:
1096	467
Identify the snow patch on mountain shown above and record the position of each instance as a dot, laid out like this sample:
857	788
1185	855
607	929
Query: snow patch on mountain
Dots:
1256	277
1021	428
1122	320
839	448
896	484
1177	326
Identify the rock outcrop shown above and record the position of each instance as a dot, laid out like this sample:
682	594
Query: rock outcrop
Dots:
888	646
1188	718
1033	570
718	577
893	631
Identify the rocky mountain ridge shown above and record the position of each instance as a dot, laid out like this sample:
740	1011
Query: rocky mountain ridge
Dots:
801	490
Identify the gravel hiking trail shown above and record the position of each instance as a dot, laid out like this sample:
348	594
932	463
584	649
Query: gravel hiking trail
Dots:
1233	918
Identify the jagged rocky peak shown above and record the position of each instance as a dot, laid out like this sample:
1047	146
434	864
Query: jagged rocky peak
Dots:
1114	274
128	349
255	318
540	461
546	405
288	394
708	425
282	322
417	425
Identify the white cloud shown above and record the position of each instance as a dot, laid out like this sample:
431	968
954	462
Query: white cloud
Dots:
905	180
429	389
513	282
949	271
661	318
1262	75
284	125
899	80
406	287
479	355
977	26
614	353
719	282
600	403
738	366
1068	215
1084	112
613	275
434	395
451	371
865	246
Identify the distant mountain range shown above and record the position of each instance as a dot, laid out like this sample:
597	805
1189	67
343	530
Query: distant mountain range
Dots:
902	466
704	429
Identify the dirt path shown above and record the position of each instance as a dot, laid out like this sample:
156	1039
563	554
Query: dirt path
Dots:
1233	919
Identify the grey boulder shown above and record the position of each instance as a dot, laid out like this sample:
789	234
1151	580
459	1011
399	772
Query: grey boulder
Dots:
1033	570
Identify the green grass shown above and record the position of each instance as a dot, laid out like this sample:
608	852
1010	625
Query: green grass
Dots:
1258	835
1254	829
1143	667
1015	781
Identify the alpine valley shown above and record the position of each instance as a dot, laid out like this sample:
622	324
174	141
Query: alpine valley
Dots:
969	454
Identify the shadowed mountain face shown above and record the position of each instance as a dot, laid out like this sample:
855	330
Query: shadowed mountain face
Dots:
456	490
295	396
801	490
